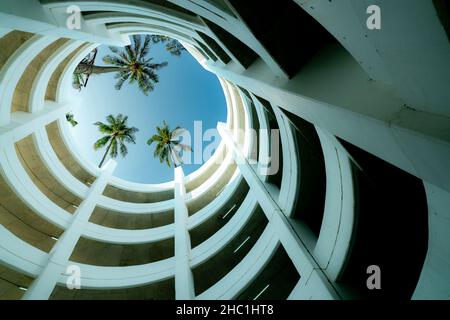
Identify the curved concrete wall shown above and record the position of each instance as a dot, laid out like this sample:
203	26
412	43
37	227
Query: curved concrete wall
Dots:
78	205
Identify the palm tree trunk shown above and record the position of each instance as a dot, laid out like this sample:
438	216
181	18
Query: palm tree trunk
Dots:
84	68
106	153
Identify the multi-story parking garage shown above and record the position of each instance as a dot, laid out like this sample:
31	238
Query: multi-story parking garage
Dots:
364	156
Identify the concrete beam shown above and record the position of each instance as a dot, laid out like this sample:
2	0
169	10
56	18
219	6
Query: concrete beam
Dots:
23	124
302	259
32	16
43	286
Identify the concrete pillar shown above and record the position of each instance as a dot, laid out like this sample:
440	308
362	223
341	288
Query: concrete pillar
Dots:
22	124
43	286
303	261
184	280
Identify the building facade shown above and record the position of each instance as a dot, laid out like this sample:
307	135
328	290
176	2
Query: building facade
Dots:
351	192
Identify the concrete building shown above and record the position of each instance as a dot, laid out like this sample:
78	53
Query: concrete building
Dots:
363	188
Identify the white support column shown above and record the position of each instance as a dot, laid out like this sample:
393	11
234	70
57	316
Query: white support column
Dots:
264	138
314	283
43	286
291	162
333	246
184	280
23	124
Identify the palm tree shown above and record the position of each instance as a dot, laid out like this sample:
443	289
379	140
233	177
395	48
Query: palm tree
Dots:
168	147
174	47
84	70
71	119
131	64
117	134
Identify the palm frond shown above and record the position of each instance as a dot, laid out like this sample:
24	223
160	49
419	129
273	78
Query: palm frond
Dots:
110	118
184	147
100	143
145	47
168	158
130	138
114	49
123	150
177	132
115	61
124	57
118	120
130	53
104	128
113	152
132	130
123	119
137	44
154	138
122	78
157	66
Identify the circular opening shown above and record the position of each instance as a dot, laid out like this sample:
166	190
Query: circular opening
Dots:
162	84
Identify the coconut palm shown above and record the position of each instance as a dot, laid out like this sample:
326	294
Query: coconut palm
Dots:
71	119
168	147
130	64
117	135
84	70
174	47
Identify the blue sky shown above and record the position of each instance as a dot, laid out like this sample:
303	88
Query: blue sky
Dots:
186	93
